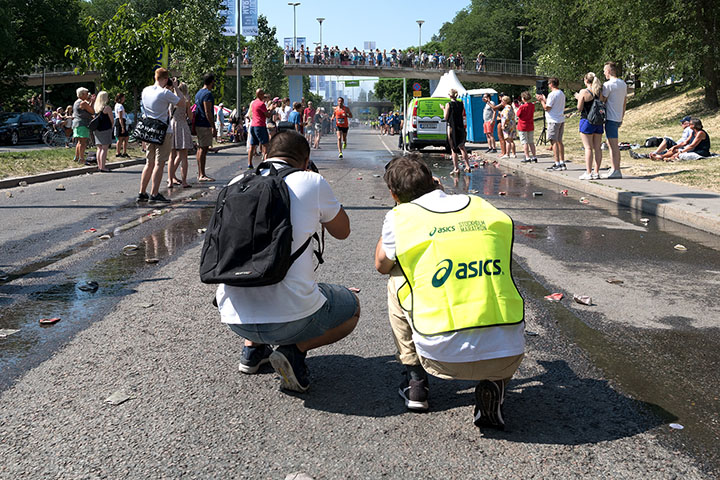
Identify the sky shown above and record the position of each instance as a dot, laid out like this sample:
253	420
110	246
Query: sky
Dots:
350	23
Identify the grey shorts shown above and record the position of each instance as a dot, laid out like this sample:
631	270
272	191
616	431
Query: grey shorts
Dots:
341	306
204	136
526	138
555	131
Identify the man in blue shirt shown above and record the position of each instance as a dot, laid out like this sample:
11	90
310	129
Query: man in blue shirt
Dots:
295	117
204	124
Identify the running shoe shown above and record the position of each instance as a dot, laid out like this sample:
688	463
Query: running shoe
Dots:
489	397
142	197
254	357
340	155
344	145
159	198
611	174
289	362
586	176
415	393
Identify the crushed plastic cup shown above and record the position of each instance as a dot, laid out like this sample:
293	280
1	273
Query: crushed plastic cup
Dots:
130	247
680	247
473	191
202	230
49	321
584	200
23	184
152	261
676	426
8	194
554	297
59	188
6	332
614	281
212	187
530	333
537	194
583	299
90	230
105	237
644	220
376	175
505	175
502	194
89	286
564	193
117	398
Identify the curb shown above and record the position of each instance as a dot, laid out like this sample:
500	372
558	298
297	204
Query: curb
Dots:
73	172
627	198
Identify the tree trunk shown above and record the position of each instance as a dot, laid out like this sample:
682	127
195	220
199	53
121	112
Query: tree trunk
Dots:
708	21
712	85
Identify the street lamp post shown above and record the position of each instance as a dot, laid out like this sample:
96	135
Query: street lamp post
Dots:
294	5
420	23
320	20
521	28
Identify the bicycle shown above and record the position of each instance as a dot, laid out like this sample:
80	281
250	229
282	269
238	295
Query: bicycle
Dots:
55	138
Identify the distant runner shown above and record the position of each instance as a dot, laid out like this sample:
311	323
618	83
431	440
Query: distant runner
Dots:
341	114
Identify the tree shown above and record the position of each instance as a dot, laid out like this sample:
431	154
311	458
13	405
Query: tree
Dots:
35	32
267	64
103	10
123	50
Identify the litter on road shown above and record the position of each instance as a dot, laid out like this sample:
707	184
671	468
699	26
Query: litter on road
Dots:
130	246
105	237
8	194
680	247
554	297
502	194
530	333
6	332
89	286
583	299
584	200
564	193
152	260
676	426
615	281
644	220
118	397
537	194
90	230
59	188
49	321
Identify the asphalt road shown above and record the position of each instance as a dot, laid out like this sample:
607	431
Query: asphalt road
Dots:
592	399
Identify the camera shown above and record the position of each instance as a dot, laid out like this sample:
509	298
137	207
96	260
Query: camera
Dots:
541	87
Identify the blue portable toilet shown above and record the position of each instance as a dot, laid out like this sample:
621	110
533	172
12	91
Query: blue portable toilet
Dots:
474	106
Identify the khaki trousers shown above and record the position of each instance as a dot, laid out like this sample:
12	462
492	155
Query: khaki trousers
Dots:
492	369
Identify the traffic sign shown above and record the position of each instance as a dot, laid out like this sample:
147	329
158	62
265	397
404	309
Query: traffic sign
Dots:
417	87
352	83
417	93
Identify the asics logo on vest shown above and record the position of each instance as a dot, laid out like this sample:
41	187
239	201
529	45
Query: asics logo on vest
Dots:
465	270
435	230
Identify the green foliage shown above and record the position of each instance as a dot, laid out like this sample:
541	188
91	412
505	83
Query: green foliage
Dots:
123	49
103	10
309	95
391	89
267	62
35	32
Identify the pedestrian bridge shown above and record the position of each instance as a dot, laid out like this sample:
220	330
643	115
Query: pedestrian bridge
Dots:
497	71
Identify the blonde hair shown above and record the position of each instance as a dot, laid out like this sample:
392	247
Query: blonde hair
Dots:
525	96
453	93
506	100
100	101
81	91
595	84
183	88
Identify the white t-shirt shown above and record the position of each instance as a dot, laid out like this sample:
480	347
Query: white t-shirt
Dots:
119	108
466	346
157	101
556	102
284	112
687	133
615	90
297	296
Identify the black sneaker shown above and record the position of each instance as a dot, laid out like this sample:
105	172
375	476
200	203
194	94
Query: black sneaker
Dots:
159	198
142	197
563	166
489	397
289	363
526	160
415	393
254	357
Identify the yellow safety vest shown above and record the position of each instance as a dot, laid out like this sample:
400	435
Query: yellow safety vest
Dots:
457	267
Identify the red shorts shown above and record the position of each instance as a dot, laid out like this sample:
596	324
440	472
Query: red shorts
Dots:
488	127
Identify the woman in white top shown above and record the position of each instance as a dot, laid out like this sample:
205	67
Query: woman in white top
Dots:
121	130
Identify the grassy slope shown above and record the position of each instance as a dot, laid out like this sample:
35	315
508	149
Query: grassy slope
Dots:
658	116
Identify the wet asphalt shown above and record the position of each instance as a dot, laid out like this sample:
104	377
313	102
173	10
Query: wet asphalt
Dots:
594	396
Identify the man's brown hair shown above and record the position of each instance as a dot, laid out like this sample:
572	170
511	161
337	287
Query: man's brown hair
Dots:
612	68
408	178
161	73
553	81
291	145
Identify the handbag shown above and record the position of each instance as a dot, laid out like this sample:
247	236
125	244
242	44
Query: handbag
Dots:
151	130
94	123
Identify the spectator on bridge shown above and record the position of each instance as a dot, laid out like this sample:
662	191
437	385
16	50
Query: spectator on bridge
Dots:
104	132
554	106
591	134
298	314
470	329
614	94
182	139
204	124
82	115
480	62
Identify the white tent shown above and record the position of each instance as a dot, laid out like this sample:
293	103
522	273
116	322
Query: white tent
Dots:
448	81
481	91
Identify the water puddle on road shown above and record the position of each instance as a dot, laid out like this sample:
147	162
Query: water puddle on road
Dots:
116	277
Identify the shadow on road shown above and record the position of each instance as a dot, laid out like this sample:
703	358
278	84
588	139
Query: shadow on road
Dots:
554	407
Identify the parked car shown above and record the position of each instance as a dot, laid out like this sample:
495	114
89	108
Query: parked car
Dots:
16	127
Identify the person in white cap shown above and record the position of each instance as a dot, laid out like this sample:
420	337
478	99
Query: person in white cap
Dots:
220	122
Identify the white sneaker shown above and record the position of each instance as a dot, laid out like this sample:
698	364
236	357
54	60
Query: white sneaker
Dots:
505	156
513	156
611	174
586	176
595	176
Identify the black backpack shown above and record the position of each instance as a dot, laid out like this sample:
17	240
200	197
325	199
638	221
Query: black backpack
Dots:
249	239
596	115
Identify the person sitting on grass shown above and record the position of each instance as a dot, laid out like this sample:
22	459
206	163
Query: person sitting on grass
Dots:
700	146
668	147
454	312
